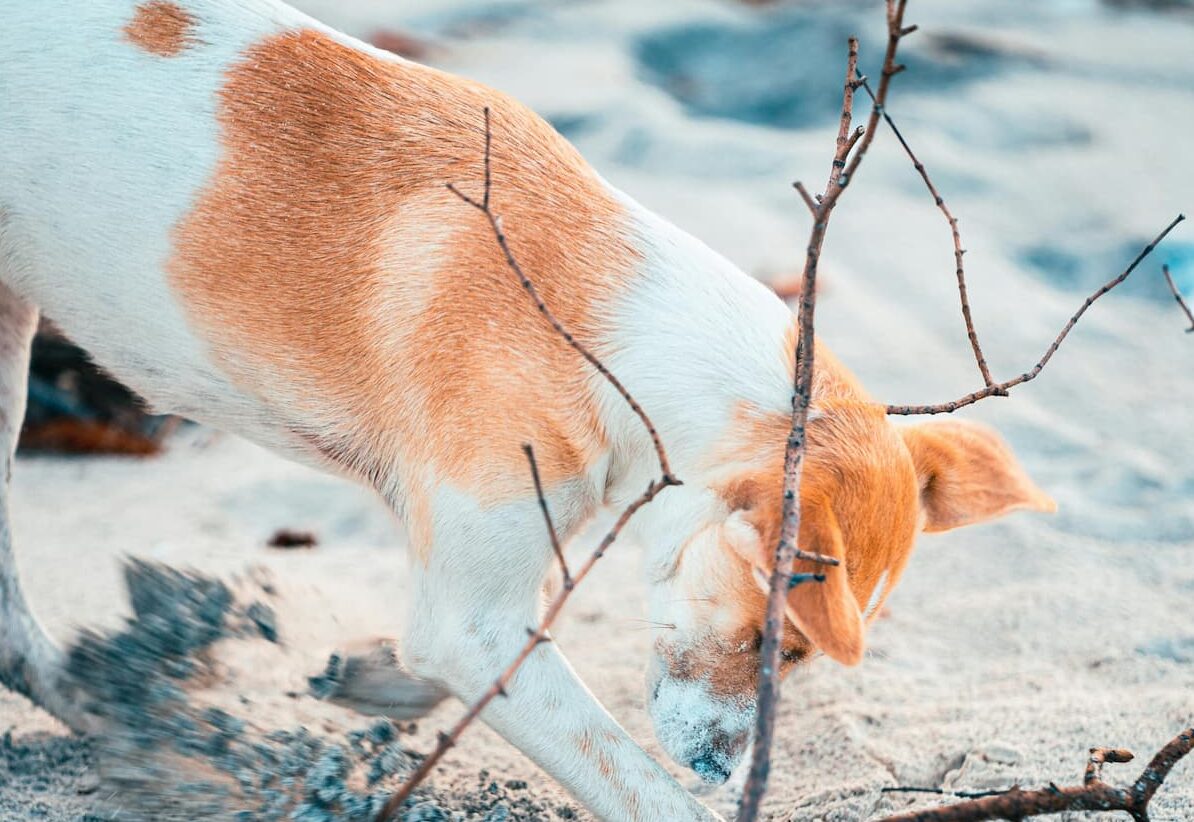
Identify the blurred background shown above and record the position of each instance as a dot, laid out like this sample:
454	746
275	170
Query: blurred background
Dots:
1059	132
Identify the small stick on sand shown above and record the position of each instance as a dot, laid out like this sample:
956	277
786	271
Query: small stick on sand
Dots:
540	634
1092	795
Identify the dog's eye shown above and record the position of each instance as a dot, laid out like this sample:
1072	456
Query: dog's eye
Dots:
758	643
792	655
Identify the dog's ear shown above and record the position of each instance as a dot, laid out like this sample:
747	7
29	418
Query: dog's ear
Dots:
968	474
826	612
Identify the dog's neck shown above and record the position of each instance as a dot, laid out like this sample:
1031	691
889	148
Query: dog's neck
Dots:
708	353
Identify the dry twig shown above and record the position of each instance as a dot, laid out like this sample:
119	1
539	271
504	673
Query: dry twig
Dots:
821	207
1001	389
850	150
551	526
539	635
1177	295
991	388
499	235
1092	795
959	252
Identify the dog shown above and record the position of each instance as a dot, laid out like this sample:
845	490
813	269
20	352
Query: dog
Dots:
243	215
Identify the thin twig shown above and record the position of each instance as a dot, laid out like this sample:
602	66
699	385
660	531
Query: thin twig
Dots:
495	223
551	526
539	635
959	252
939	791
1101	756
1002	389
535	638
849	151
1177	295
808	200
1093	795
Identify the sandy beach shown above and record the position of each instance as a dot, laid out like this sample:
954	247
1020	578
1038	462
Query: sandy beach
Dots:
1058	132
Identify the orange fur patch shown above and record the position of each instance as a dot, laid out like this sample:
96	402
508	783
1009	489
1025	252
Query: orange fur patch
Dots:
968	474
328	261
161	27
856	469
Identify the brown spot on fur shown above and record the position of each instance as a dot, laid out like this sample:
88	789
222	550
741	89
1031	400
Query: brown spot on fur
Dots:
161	27
337	279
584	743
605	765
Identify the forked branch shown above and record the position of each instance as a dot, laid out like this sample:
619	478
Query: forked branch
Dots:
1092	795
1001	389
540	634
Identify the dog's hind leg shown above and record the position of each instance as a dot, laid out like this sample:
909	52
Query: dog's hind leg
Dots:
30	663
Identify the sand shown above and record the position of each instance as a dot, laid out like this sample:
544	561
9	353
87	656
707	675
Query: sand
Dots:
1057	132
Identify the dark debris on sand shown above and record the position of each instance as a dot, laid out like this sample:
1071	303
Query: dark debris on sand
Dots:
74	407
163	757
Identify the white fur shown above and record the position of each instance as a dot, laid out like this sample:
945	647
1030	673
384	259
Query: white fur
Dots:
103	148
692	714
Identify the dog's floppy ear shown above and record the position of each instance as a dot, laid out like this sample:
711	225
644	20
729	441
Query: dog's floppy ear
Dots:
826	612
968	474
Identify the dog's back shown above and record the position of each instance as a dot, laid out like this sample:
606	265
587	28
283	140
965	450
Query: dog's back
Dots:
107	134
261	203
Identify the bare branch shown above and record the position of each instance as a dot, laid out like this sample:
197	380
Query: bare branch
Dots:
1093	795
959	252
939	791
1002	389
1101	756
535	638
495	223
539	635
1177	295
787	552
551	526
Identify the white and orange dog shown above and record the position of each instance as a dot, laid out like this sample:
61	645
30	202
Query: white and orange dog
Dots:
243	215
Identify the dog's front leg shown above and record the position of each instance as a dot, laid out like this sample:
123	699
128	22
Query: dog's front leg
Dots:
473	606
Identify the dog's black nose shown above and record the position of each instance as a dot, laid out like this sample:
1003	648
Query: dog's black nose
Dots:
711	768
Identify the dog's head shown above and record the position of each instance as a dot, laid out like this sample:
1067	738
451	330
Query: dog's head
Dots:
868	487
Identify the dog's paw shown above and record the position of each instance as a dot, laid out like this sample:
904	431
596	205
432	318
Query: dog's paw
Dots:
369	679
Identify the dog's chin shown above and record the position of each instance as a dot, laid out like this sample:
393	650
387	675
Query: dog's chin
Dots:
706	734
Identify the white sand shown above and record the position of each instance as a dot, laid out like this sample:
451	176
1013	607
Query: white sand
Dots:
1009	649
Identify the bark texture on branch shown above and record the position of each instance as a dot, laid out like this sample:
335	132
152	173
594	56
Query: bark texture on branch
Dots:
851	147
